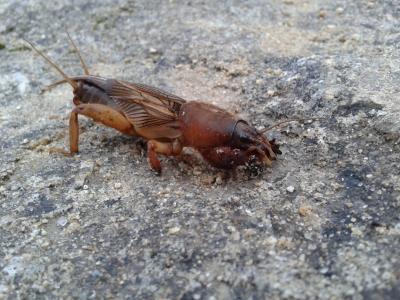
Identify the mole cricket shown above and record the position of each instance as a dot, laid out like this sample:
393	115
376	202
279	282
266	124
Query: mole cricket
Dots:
168	122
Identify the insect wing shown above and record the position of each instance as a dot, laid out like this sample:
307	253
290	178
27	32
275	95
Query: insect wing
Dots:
145	106
152	111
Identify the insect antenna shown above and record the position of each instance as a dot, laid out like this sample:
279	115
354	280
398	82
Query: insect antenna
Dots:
84	66
66	78
288	121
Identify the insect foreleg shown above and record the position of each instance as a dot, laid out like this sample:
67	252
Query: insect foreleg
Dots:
224	157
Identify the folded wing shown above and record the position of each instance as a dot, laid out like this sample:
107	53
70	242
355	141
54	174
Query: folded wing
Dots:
153	112
146	106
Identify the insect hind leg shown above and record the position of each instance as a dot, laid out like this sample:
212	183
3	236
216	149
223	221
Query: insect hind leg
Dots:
99	113
73	136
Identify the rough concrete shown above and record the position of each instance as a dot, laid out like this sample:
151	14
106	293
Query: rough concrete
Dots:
322	223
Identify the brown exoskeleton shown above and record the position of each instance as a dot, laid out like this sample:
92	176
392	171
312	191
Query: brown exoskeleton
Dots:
168	122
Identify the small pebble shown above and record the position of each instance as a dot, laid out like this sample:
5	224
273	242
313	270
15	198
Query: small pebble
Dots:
339	10
324	270
118	185
45	244
322	14
349	205
174	230
381	229
259	183
305	211
356	231
62	221
290	189
218	180
271	93
74	227
153	51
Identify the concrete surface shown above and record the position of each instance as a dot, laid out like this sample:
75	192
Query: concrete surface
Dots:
322	223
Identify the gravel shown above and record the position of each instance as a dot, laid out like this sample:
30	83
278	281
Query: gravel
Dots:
322	223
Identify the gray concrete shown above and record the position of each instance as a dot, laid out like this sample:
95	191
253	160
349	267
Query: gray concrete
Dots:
322	223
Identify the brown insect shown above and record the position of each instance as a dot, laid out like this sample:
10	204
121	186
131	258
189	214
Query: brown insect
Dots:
167	122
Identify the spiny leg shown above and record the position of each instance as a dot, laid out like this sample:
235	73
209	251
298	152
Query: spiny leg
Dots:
73	132
153	147
73	136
